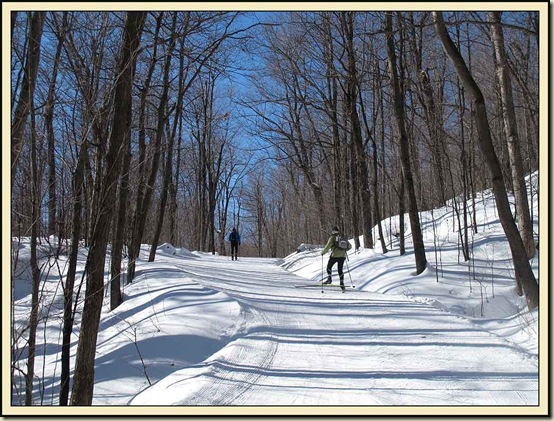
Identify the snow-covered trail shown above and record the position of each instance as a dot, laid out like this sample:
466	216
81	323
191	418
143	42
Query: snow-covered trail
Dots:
297	346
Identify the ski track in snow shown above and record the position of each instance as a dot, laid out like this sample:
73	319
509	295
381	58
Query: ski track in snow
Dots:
297	346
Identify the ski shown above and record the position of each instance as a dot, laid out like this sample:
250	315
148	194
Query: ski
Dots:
323	285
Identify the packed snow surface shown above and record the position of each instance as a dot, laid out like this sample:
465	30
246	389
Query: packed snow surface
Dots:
297	346
201	330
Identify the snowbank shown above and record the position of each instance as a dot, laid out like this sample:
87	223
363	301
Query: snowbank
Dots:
167	248
307	247
185	252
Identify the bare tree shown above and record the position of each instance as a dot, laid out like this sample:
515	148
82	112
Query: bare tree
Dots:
68	291
512	138
211	139
36	275
49	123
426	95
371	133
87	86
331	99
134	242
83	385
120	225
523	270
398	101
23	107
290	129
170	136
144	206
351	100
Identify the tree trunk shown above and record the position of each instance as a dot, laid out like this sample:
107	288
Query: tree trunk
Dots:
173	189
462	230
78	194
364	207
163	198
13	17
433	119
23	107
376	198
35	270
521	264
398	103
121	221
354	195
170	144
331	104
134	246
49	123
512	138
401	213
83	386
371	134
141	216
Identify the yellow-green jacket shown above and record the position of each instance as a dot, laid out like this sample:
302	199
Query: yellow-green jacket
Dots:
331	245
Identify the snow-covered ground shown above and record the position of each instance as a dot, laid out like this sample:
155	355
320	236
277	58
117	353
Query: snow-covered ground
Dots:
204	332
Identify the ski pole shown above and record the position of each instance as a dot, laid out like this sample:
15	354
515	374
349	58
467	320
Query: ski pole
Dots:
348	267
321	274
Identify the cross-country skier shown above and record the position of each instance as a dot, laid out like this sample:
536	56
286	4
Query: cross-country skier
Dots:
338	255
234	238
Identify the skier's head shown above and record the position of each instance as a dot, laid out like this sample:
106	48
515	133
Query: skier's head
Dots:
335	230
234	230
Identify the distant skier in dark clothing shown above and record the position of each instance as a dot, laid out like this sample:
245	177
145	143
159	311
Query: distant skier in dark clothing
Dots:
234	238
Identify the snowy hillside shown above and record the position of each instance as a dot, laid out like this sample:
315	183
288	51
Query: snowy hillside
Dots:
196	329
482	289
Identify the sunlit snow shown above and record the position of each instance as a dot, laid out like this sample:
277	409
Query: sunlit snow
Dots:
196	329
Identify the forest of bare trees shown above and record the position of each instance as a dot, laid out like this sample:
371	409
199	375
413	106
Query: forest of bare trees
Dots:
132	128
